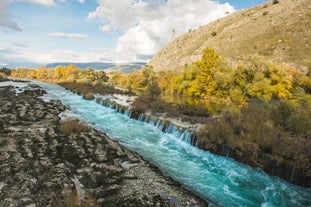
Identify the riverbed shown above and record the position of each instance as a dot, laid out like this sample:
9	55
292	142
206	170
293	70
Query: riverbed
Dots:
217	179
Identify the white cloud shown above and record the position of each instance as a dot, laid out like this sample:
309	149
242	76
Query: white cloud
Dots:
105	28
6	20
63	1
49	3
46	56
73	36
148	25
12	53
41	56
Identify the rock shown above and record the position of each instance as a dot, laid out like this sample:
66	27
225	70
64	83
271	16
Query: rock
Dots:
175	201
38	162
127	165
161	193
31	205
104	191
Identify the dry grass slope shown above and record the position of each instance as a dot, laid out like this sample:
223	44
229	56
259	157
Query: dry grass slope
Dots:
279	32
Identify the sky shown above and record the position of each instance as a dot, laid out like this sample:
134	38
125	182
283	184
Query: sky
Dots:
46	31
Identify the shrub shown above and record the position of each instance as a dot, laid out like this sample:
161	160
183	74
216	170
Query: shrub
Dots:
72	200
74	126
280	112
275	131
275	1
6	71
3	77
154	90
214	34
199	110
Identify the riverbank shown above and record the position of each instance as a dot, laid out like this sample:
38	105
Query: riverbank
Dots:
43	163
259	149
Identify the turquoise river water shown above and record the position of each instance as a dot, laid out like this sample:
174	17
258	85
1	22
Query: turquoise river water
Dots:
217	179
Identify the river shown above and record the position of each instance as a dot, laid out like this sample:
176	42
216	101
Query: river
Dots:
217	179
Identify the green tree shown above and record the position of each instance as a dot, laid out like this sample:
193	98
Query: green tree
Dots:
154	90
101	75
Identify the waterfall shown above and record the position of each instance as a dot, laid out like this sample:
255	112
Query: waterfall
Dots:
127	112
215	178
164	125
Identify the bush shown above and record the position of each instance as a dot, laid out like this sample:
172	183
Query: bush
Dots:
262	133
154	90
6	71
275	1
199	110
74	126
72	200
3	77
280	112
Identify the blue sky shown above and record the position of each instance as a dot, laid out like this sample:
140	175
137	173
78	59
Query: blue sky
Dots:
44	31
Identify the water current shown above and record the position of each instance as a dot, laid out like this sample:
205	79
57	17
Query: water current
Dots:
217	179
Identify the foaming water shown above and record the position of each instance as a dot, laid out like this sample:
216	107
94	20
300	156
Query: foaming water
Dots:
218	179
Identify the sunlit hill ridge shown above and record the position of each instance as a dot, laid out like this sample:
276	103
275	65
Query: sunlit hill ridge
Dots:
276	31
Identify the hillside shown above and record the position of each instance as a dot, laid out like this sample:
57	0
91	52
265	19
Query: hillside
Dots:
278	32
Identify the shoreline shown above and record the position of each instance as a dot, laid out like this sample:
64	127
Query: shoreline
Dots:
284	170
44	164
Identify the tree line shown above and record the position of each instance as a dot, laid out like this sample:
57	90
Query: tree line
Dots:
61	74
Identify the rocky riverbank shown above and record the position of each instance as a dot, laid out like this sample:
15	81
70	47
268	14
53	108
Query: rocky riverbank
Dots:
42	165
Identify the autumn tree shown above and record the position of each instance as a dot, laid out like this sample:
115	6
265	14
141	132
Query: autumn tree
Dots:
58	72
147	75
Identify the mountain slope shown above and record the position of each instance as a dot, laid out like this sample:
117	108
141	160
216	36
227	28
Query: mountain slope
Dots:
124	67
278	32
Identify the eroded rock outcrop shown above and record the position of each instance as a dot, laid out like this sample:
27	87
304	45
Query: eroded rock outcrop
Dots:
41	166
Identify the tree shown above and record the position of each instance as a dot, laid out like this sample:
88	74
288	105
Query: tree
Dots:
6	71
101	75
58	72
148	75
207	67
154	90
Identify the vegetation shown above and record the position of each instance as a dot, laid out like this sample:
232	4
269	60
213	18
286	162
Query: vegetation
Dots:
5	71
74	126
263	108
88	90
272	135
61	74
258	112
246	33
275	1
154	90
3	77
72	200
223	87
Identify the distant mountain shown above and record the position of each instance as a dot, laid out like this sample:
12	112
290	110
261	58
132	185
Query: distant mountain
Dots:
276	31
20	65
123	67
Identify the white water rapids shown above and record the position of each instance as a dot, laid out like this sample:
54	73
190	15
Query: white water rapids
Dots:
220	180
